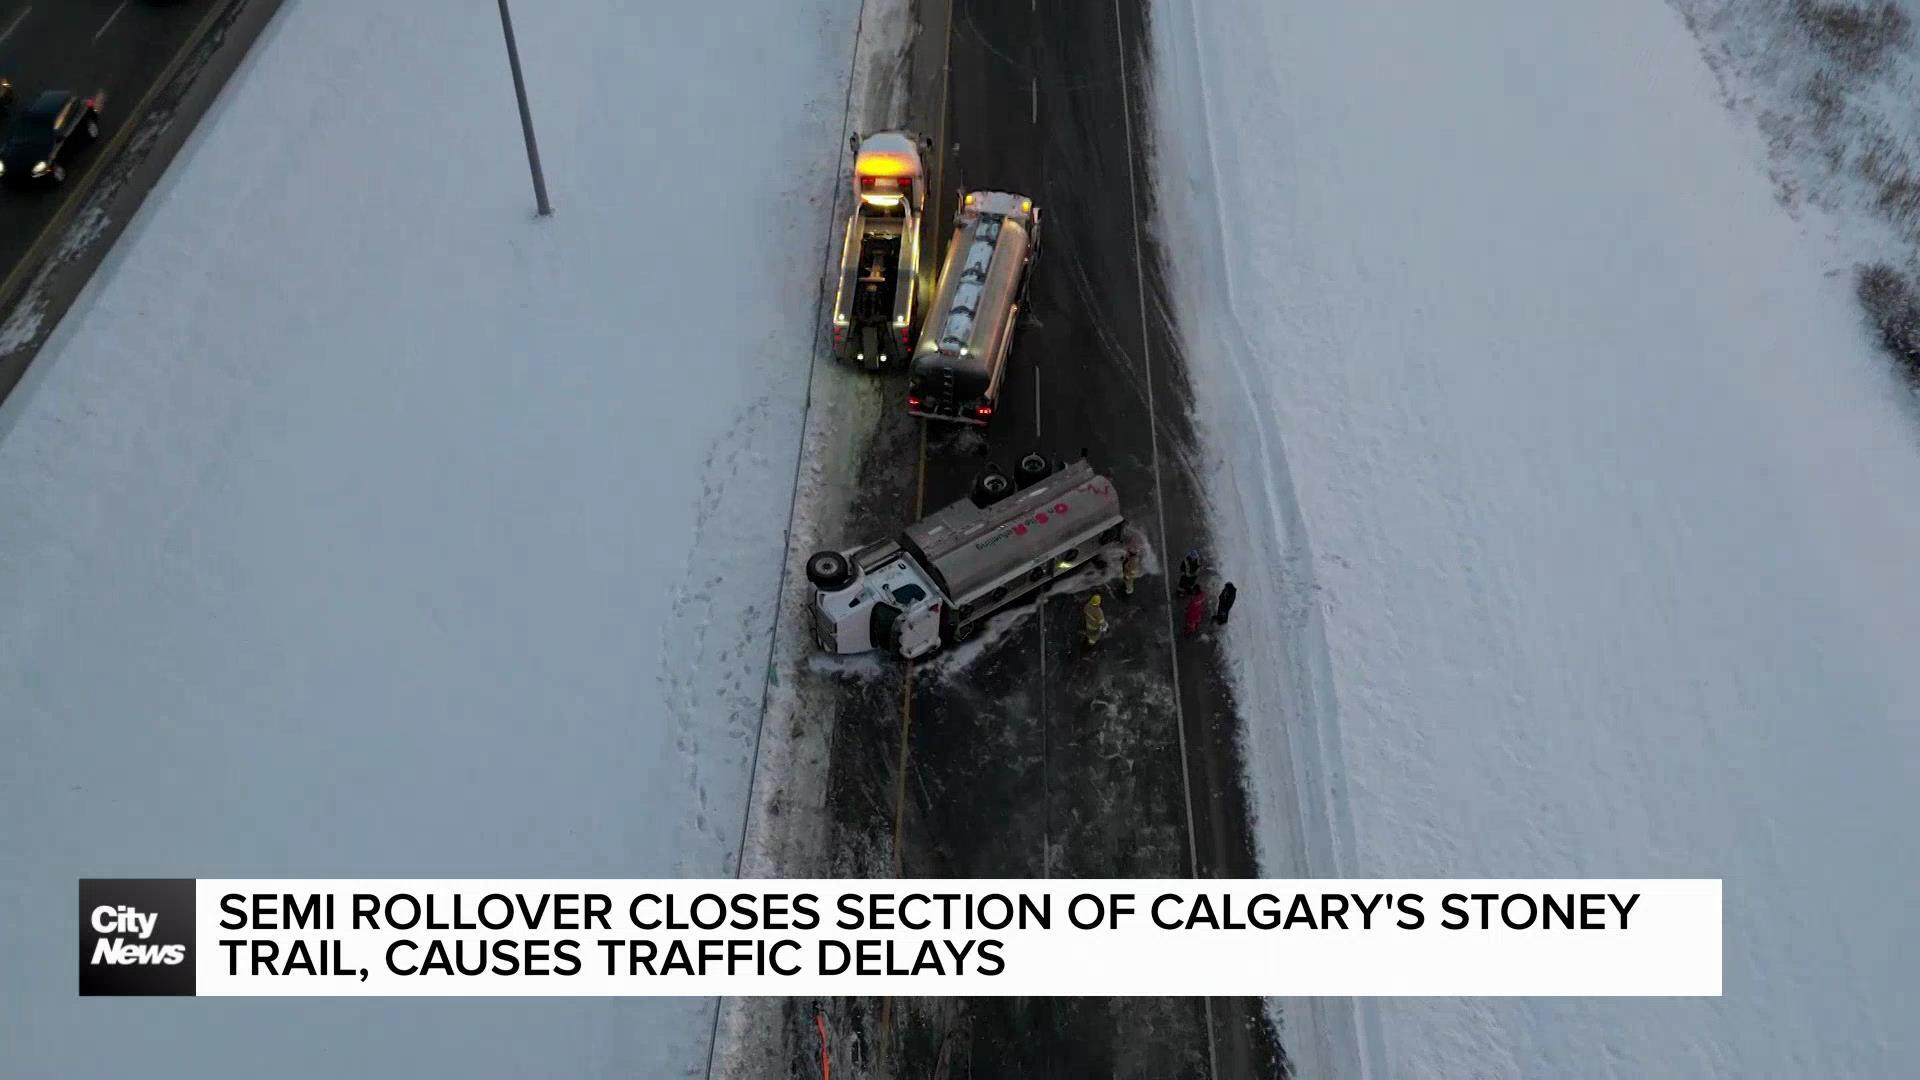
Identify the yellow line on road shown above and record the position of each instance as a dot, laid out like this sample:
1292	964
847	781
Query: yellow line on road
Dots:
30	261
885	1061
920	481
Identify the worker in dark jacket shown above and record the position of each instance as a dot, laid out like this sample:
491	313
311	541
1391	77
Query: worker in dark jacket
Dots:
1190	571
1225	604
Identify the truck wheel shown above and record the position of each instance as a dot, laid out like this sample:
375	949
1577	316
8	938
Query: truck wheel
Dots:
1113	535
1030	470
991	487
829	570
965	631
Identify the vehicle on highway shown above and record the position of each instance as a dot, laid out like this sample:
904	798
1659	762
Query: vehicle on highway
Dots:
6	96
940	578
46	135
873	307
960	362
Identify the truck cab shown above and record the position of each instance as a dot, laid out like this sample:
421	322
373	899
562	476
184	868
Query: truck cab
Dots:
874	303
878	598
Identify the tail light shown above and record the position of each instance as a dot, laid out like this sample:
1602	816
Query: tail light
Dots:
839	334
866	181
913	402
984	410
903	337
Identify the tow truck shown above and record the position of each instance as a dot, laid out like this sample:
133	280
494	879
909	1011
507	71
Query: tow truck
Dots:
873	307
938	580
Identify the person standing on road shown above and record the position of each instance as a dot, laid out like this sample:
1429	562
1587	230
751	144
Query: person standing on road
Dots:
1096	620
1196	610
1224	604
1190	571
1129	569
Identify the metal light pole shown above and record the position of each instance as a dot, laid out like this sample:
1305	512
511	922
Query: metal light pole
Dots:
526	115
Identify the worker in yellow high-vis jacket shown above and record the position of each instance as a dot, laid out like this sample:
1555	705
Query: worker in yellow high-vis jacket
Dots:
1096	620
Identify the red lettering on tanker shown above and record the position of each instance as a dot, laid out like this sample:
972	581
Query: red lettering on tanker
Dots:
1019	530
1060	508
1040	518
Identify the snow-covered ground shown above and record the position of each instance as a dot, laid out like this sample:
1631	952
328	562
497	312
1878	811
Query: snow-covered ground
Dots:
1588	510
356	523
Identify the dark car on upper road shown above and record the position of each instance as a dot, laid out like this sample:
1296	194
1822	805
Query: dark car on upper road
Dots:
46	134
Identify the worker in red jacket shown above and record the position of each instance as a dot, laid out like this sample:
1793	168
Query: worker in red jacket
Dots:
1196	609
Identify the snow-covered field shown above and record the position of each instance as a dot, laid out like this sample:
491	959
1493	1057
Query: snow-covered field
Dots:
356	523
1588	507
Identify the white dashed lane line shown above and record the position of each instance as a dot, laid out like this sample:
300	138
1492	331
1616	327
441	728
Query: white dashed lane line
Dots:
110	18
15	24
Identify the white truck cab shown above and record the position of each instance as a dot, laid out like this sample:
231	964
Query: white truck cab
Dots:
909	606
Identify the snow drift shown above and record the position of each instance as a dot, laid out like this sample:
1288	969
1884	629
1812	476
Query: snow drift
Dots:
1586	509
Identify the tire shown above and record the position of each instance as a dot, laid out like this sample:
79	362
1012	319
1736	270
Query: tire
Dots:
1030	470
992	486
1113	535
965	631
829	570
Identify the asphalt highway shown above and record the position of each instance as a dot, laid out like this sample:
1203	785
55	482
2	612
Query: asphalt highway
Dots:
119	46
155	63
1042	758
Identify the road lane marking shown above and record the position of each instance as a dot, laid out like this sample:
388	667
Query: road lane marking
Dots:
919	501
1153	437
102	158
1035	83
900	780
109	22
1036	403
15	24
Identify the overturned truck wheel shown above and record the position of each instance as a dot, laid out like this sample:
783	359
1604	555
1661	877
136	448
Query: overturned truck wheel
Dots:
829	570
990	487
1030	470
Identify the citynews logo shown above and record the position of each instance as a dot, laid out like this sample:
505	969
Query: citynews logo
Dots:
136	937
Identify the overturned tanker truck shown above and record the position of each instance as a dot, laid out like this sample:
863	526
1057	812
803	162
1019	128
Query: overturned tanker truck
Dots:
938	580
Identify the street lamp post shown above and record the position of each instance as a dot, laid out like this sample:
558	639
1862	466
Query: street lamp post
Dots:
526	115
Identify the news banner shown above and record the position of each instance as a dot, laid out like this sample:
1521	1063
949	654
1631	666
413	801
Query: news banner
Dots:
606	938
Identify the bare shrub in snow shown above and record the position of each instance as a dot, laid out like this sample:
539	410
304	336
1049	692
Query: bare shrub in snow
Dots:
1831	84
1826	92
1857	35
1894	306
1886	164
